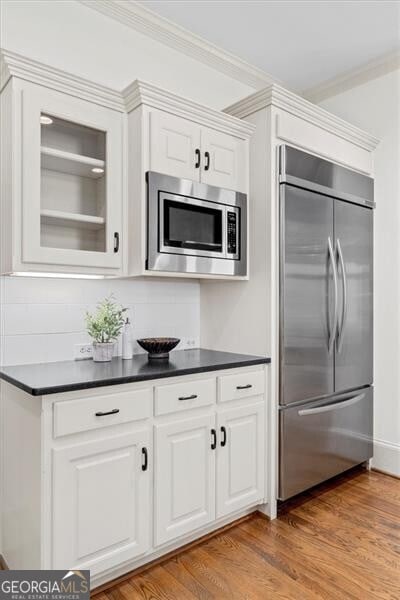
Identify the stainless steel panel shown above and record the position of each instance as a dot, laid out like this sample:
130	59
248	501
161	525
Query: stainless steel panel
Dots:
354	245
158	259
307	306
324	438
322	176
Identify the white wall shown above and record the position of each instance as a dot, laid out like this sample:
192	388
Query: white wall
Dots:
375	107
73	37
43	319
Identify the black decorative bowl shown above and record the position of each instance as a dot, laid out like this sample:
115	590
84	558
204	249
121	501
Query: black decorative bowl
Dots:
158	348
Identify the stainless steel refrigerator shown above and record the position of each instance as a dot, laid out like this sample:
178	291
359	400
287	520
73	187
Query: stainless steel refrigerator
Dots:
326	320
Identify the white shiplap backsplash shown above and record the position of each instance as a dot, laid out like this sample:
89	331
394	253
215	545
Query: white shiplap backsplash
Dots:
42	319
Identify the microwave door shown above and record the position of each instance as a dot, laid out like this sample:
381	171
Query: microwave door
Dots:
191	226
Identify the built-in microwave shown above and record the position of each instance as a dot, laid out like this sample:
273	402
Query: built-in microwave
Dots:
195	228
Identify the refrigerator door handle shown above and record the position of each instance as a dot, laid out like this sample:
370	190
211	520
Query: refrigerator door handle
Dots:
344	312
333	328
329	407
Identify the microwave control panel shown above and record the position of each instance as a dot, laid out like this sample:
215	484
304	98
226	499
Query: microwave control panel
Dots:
232	232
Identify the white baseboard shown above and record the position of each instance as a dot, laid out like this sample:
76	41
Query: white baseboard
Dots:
386	457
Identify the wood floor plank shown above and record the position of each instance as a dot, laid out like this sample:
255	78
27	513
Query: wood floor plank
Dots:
363	538
156	584
315	562
239	560
189	578
338	541
301	568
197	562
348	566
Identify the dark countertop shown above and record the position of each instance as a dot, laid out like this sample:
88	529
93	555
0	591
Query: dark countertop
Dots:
67	376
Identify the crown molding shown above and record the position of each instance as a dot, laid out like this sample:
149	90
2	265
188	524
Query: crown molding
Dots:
141	19
137	93
15	65
275	95
371	70
140	92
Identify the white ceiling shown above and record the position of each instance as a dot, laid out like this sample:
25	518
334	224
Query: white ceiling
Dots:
301	43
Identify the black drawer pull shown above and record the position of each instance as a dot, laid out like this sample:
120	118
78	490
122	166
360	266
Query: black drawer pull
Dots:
223	441
213	439
207	157
197	163
116	242
244	387
114	411
192	397
145	455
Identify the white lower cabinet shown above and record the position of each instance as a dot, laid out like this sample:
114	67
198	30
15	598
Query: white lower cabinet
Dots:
208	467
240	457
184	477
101	502
115	475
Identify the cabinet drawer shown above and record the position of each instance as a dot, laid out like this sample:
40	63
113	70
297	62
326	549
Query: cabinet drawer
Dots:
83	414
241	385
182	396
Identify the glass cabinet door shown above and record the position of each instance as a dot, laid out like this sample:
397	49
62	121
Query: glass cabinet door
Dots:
72	183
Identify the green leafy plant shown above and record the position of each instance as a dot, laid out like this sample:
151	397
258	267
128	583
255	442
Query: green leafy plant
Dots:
106	323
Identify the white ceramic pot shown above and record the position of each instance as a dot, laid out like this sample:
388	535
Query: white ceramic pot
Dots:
103	352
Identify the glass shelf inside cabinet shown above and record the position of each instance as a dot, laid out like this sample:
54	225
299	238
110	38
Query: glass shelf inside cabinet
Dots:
73	187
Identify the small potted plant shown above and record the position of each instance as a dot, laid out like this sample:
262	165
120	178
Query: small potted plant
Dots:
104	327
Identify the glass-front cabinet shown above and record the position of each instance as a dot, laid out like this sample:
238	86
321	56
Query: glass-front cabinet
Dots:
72	193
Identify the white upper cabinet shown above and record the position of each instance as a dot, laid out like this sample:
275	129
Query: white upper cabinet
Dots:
62	183
184	149
101	502
71	181
73	172
224	160
174	146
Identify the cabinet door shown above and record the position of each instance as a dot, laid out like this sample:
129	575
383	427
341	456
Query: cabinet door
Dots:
174	146
184	477
240	457
224	160
101	502
71	181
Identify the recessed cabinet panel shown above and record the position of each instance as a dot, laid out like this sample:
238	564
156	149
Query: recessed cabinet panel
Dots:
101	496
224	160
185	477
71	181
174	146
240	458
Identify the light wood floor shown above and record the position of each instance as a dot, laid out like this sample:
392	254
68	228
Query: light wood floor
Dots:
338	541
